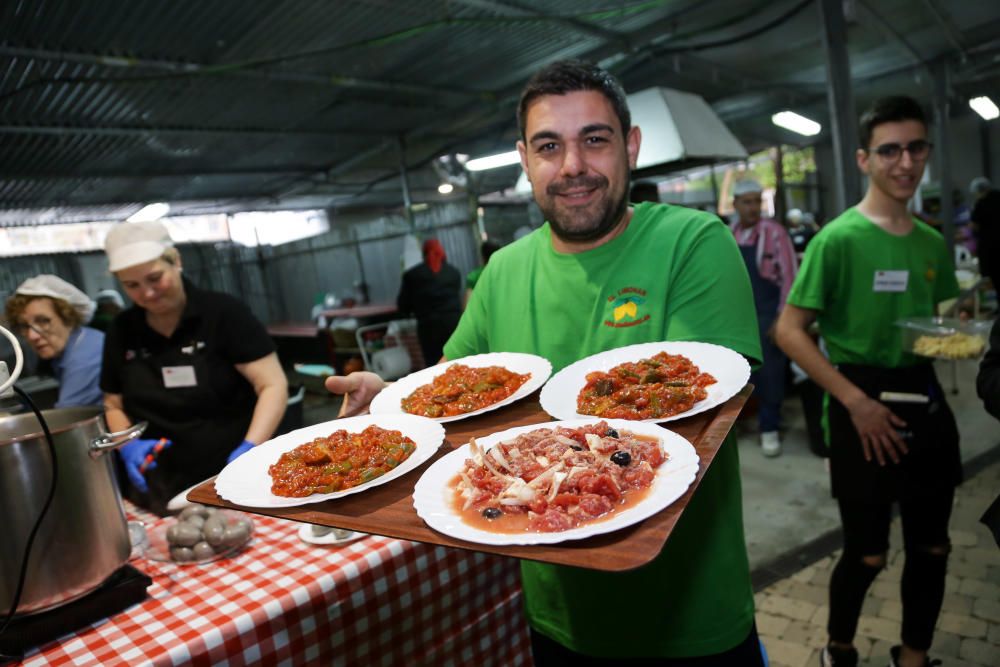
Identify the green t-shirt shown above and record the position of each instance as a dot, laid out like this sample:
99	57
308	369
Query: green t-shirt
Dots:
861	279
473	277
673	274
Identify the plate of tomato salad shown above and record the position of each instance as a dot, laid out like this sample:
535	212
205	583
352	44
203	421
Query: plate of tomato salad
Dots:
329	460
651	382
464	387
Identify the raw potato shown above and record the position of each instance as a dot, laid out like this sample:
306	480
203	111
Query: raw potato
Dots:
182	554
201	532
213	530
184	535
234	535
203	550
193	510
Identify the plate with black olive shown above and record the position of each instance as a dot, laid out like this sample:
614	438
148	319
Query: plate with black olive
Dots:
450	495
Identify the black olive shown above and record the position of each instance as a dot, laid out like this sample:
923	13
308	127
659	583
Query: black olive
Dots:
621	458
492	513
576	448
611	433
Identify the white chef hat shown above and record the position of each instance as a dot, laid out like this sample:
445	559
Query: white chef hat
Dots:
111	296
746	186
131	243
56	288
979	185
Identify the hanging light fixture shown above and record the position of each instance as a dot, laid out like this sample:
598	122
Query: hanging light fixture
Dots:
796	123
985	107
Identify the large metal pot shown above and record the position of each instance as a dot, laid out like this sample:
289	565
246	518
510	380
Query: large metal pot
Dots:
84	536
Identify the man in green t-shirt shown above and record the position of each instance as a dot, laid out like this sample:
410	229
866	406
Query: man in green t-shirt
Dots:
892	435
599	275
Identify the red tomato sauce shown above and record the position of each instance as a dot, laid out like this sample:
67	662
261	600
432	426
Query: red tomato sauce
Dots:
462	389
340	461
660	386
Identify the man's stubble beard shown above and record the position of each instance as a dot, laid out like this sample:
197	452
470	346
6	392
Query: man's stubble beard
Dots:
611	217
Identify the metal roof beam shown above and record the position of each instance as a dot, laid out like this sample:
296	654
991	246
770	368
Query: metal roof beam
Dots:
8	173
514	9
130	131
201	69
887	29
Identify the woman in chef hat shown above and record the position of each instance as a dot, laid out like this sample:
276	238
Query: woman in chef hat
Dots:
194	364
50	314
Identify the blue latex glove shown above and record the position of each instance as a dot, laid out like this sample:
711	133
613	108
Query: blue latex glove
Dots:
140	456
243	448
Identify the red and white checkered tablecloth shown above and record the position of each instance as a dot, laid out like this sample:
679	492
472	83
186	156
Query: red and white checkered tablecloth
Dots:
376	601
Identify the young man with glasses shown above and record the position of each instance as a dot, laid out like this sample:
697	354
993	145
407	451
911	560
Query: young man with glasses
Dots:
892	436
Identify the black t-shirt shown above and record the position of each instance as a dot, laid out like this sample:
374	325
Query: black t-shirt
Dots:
430	295
207	415
986	214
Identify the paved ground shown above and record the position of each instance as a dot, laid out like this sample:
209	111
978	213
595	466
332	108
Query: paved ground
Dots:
792	613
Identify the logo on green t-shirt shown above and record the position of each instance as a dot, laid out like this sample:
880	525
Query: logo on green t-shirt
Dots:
625	306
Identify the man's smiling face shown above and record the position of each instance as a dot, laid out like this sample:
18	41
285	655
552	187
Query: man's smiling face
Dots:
578	162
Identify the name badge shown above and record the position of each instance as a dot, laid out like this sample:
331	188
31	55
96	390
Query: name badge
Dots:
891	281
179	376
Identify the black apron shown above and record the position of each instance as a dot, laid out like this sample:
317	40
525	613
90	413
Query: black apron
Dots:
931	434
205	422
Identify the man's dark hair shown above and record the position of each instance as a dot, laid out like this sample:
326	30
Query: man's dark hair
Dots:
570	76
889	110
487	249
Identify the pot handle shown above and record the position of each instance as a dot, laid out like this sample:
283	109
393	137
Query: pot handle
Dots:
109	441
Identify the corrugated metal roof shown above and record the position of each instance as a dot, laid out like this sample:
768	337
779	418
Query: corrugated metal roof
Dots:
115	102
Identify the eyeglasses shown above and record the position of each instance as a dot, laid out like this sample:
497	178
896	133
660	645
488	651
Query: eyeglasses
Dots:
918	150
40	324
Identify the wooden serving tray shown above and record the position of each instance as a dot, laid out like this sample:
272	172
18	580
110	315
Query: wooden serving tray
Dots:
388	509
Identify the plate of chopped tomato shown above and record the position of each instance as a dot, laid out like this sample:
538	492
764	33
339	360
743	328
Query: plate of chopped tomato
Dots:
329	460
654	382
464	387
556	481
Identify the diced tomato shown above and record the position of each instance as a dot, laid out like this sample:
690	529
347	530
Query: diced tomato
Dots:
638	478
538	505
593	505
551	521
566	499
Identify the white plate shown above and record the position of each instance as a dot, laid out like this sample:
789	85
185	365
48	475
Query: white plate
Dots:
389	400
730	370
328	539
180	501
246	481
433	495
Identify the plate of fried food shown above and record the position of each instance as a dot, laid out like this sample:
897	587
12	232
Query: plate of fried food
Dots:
654	382
556	481
329	460
464	387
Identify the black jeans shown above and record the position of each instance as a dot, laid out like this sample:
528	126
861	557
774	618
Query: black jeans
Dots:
550	653
925	539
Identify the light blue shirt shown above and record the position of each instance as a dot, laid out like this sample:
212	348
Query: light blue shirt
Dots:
78	369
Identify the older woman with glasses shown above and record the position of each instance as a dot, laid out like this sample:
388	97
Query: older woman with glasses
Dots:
50	315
